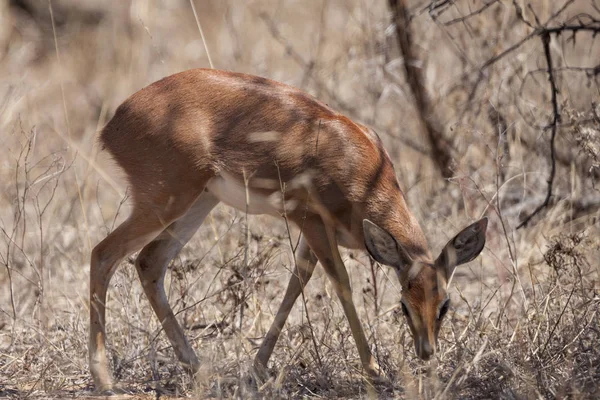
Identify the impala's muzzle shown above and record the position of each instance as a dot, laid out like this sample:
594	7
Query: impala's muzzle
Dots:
424	348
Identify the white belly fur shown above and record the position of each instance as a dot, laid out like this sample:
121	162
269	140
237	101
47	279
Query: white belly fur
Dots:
233	193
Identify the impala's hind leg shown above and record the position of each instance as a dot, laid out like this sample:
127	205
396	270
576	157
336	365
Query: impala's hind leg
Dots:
145	223
305	265
152	263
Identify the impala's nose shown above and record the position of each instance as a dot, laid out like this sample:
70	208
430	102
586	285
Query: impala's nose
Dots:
424	350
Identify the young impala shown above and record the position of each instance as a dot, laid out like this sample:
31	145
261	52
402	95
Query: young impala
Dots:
202	136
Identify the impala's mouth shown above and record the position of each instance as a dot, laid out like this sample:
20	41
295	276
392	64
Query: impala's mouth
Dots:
424	350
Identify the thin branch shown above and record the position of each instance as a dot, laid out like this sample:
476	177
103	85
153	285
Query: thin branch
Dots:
594	28
466	17
437	8
580	22
557	322
553	126
440	147
519	13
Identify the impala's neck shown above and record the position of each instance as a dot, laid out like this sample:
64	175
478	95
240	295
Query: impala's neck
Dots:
392	214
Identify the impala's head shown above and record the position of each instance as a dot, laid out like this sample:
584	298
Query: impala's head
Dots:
424	283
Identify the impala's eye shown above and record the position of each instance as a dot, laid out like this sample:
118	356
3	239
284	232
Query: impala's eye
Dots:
404	310
444	309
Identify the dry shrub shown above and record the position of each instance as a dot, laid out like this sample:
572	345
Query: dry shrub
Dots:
585	130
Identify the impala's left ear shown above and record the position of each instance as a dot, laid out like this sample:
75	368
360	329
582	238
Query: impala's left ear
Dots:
463	248
383	247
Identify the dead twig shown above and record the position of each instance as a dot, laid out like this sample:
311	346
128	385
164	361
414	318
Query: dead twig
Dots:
556	118
471	14
441	150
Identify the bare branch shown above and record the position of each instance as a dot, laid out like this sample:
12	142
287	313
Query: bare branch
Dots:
437	8
476	12
519	13
440	147
553	126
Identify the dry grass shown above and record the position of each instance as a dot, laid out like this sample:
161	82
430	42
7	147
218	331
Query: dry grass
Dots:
524	321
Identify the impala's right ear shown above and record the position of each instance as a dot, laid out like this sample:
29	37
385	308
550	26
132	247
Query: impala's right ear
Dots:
383	247
464	247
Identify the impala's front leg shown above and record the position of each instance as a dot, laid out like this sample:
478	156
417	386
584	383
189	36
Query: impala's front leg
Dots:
305	265
323	243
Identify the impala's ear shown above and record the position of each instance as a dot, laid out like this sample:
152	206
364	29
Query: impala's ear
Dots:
464	247
383	247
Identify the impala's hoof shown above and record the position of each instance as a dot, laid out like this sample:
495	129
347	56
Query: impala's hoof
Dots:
375	374
102	378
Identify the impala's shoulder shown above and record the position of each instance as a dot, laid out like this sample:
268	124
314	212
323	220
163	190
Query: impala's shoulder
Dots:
365	135
371	135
